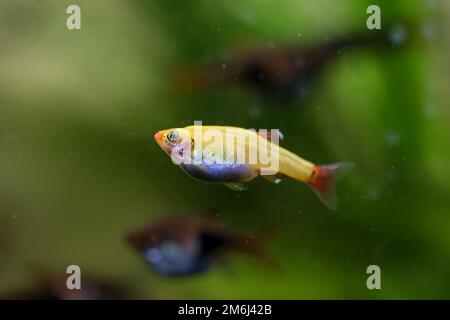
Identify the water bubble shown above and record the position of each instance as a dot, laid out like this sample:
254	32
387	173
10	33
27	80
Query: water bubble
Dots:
398	35
271	45
247	17
392	176
302	91
430	110
429	30
255	111
11	136
373	193
392	138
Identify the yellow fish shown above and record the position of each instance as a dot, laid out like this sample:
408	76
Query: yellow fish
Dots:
234	156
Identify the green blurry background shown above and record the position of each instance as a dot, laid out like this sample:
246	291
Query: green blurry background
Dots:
79	168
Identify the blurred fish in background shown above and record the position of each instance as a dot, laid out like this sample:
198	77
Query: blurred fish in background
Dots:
183	246
285	73
44	285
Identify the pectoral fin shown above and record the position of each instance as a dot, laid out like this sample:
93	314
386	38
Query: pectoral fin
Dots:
236	186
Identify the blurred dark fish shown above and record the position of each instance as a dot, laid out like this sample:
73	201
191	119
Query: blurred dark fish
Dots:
181	246
282	73
45	287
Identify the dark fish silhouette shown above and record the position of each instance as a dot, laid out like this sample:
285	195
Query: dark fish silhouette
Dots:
46	287
182	246
282	73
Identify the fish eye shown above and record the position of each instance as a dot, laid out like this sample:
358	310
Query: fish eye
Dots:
173	136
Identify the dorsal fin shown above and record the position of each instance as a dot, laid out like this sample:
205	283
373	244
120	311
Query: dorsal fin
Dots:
269	134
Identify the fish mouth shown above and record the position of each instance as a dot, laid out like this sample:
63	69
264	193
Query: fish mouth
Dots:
159	137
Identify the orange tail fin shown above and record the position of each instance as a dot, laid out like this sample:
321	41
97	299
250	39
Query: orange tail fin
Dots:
324	180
